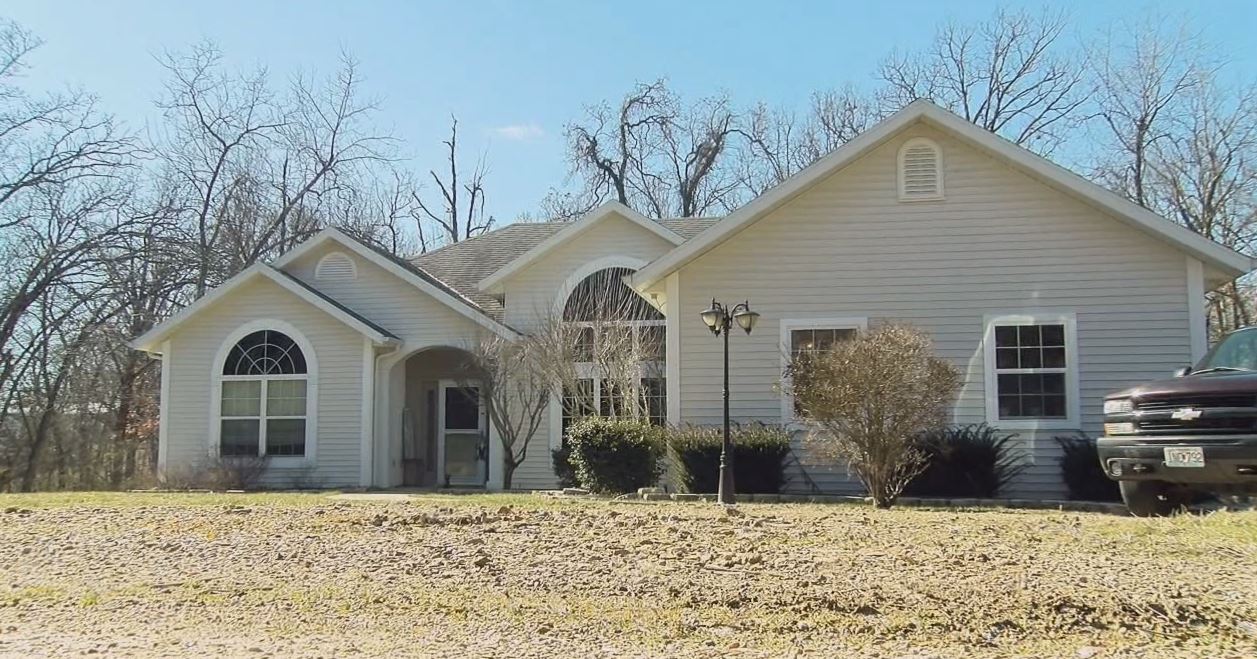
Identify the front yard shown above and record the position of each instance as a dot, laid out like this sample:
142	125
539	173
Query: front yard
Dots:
524	576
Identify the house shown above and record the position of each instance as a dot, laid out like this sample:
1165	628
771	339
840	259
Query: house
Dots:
343	364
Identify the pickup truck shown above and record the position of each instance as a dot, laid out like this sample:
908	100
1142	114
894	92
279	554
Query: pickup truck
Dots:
1167	441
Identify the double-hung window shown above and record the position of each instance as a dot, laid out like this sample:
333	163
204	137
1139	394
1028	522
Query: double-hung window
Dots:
803	337
263	408
1032	371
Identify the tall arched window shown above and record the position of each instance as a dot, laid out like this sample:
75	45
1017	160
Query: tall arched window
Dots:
605	311
264	386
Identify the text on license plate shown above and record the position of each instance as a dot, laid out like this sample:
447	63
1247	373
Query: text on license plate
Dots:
1192	456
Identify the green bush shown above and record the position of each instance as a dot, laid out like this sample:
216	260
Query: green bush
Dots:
1082	472
561	460
613	456
759	462
969	461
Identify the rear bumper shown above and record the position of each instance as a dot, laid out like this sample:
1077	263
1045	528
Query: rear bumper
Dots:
1229	460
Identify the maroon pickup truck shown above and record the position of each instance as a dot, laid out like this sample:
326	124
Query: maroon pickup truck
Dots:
1166	441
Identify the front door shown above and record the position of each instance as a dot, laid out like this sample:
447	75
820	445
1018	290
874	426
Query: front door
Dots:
462	440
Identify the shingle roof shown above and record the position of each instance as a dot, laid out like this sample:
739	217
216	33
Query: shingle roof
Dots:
365	321
462	265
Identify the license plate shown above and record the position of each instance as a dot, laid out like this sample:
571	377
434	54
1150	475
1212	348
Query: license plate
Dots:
1185	457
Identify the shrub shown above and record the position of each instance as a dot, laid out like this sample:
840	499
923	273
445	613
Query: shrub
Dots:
561	460
1082	472
759	463
870	396
965	461
613	456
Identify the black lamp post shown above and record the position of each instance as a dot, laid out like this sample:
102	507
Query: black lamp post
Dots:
720	319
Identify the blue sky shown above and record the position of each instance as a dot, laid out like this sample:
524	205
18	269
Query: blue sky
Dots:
515	72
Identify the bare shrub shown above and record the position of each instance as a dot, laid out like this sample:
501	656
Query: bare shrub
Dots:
869	397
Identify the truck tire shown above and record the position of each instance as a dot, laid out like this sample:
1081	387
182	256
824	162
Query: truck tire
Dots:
1149	498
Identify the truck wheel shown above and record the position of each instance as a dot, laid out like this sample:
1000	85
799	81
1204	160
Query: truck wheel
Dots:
1149	498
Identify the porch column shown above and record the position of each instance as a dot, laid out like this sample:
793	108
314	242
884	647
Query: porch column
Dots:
496	472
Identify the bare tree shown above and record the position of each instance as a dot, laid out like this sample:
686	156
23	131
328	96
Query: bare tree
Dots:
460	213
777	143
1141	84
1007	75
652	154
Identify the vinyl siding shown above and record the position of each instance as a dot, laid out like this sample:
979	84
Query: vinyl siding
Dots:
412	315
1001	242
338	349
532	293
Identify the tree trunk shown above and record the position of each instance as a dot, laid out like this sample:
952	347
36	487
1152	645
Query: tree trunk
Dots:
508	473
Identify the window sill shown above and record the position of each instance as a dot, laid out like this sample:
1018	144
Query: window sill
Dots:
1034	424
289	462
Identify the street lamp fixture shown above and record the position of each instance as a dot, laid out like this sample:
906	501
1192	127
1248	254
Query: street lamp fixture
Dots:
720	320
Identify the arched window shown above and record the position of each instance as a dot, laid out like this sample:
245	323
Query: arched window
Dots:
263	409
920	171
613	323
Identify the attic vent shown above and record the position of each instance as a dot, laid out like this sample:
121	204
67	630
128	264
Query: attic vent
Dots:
336	267
920	171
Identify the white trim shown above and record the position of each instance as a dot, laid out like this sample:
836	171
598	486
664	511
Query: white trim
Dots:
457	302
1197	320
858	323
311	378
555	421
163	409
585	223
159	333
672	347
366	451
938	170
1073	417
588	268
1207	250
353	265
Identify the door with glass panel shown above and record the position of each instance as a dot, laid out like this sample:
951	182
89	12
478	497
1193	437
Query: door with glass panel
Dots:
462	437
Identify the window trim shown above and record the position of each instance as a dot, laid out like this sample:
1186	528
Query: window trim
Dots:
310	459
938	168
788	325
991	380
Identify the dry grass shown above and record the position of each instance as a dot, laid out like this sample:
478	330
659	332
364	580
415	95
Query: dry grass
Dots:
302	574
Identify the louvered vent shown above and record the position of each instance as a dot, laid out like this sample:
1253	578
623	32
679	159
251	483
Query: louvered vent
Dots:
920	171
336	267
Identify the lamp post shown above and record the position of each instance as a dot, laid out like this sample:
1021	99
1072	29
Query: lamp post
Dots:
720	320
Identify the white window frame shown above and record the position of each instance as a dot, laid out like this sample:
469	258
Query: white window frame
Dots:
310	377
938	165
1072	389
788	325
655	369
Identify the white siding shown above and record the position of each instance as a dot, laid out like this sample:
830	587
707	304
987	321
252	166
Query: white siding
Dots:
1000	242
415	317
339	352
533	292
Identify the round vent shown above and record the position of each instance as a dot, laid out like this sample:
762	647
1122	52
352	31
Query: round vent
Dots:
920	171
336	266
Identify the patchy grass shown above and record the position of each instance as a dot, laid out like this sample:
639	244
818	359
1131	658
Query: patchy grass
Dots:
521	575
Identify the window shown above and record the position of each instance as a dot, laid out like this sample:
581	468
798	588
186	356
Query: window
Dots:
920	171
1031	371
263	402
605	312
811	336
814	341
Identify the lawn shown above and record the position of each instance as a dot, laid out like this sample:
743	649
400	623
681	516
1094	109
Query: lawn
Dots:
524	576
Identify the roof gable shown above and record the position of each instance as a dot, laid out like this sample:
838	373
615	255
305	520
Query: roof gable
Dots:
150	340
406	271
1054	175
571	231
